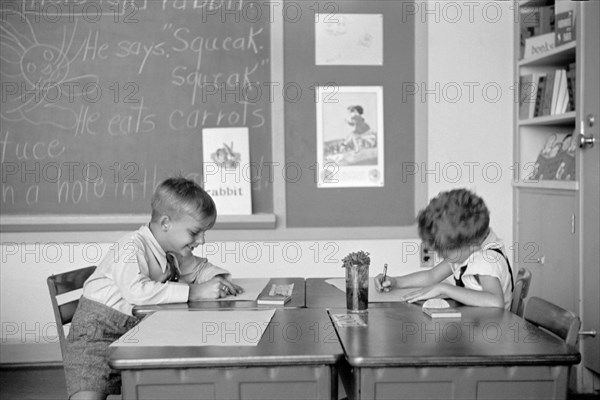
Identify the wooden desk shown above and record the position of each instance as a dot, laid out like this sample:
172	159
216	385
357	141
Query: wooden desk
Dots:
296	358
297	301
488	354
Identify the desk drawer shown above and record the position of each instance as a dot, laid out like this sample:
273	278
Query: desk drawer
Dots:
294	382
445	383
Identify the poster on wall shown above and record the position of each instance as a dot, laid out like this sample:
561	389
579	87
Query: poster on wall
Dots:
349	136
348	39
226	176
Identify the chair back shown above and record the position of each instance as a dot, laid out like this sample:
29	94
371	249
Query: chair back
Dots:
521	289
563	323
62	284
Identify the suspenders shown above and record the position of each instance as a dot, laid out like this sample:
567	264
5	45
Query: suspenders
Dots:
460	283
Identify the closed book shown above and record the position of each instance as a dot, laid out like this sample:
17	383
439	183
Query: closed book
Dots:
547	19
442	312
562	101
555	94
529	25
540	95
527	94
565	28
571	86
547	99
277	294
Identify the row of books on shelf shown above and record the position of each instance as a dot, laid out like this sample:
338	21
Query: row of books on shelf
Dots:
547	93
545	27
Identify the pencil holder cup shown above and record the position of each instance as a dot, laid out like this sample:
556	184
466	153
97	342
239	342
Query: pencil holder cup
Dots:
357	288
357	281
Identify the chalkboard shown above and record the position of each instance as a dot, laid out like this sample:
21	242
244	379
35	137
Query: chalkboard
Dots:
102	100
393	203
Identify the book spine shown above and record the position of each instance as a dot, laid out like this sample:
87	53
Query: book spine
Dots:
527	94
547	98
539	96
571	86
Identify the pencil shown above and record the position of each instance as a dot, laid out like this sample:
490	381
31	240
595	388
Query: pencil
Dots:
384	275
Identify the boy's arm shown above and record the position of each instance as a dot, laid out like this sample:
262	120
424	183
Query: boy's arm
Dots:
490	296
417	279
199	270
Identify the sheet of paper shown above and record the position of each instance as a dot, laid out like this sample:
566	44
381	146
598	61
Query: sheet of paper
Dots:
375	296
199	328
252	288
348	39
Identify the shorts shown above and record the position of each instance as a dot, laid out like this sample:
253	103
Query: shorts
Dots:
94	327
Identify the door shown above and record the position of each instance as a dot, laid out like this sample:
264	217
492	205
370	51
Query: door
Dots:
589	124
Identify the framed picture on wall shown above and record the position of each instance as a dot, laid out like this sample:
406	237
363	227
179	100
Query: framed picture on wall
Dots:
349	136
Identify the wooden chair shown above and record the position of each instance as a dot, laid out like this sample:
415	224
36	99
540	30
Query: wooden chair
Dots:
560	322
62	284
563	323
522	284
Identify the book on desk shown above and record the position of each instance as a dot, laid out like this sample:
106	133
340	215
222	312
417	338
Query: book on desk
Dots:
442	312
440	308
277	294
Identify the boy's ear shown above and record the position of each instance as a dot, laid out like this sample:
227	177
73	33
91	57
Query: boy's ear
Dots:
165	222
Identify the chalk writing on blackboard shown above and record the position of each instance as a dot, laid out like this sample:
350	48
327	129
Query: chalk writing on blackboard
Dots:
101	102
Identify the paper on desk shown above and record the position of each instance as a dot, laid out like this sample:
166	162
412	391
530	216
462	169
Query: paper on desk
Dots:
199	328
252	288
375	296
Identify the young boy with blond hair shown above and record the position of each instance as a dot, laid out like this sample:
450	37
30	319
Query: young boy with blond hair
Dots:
153	265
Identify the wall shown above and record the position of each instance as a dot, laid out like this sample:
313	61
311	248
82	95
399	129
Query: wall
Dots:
460	51
470	108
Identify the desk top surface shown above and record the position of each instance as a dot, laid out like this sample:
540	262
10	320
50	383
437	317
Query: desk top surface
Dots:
320	294
403	335
295	336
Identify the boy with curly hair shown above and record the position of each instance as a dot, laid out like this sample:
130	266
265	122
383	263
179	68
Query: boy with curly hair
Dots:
456	225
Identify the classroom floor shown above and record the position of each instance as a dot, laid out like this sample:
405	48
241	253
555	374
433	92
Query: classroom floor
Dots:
48	383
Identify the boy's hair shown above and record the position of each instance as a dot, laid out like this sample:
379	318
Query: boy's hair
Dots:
454	219
176	197
358	109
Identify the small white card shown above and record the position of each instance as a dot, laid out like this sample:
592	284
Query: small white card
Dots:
346	320
226	172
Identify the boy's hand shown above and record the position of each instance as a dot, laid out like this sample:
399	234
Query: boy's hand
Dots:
215	288
384	285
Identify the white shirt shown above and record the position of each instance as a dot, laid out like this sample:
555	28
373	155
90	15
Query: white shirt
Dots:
132	271
487	262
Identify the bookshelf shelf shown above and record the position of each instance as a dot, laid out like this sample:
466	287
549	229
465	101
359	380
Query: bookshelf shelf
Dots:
547	185
560	119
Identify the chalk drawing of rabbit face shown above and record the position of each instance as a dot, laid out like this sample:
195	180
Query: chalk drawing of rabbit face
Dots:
39	70
44	64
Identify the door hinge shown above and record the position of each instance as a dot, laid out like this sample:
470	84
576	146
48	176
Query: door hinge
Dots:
572	223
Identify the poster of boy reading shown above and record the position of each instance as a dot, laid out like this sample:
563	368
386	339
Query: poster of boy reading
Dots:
350	136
